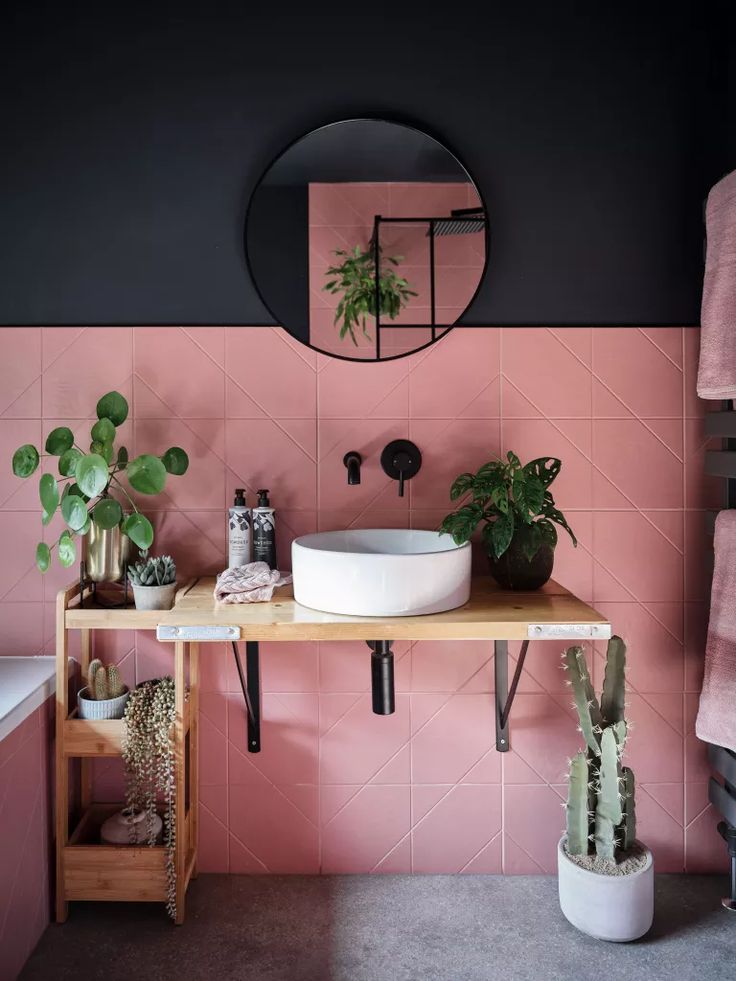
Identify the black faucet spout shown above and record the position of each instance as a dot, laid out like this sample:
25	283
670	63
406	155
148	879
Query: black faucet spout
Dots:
352	461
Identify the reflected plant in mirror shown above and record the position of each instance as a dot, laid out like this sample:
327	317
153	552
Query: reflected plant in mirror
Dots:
355	282
337	198
89	489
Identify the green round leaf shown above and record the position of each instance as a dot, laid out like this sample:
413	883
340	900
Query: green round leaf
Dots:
114	407
123	457
43	556
107	513
74	489
25	460
147	474
46	518
85	527
67	549
175	460
103	430
139	530
59	440
102	449
48	491
91	473
68	461
74	512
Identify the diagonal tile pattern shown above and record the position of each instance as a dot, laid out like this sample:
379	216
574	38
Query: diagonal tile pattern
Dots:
336	788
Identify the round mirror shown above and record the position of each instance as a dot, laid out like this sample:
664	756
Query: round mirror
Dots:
366	239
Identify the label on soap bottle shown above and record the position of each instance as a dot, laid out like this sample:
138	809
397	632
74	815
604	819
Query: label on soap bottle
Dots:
264	536
239	535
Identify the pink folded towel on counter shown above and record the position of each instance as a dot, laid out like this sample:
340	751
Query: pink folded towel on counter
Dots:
717	368
252	583
716	721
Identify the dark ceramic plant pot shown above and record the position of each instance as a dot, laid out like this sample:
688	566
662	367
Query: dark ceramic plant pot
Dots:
514	570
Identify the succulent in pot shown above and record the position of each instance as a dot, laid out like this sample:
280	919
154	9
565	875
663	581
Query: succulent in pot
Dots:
154	582
90	493
518	514
105	695
605	875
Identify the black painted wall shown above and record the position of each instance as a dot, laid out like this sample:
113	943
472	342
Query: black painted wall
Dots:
131	142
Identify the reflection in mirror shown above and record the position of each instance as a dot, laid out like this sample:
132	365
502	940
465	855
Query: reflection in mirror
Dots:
366	239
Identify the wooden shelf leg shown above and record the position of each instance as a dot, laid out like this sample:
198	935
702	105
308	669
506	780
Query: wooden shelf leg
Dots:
85	764
194	752
61	817
181	838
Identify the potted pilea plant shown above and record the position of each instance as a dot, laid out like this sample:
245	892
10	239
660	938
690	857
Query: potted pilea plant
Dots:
355	280
154	582
105	695
518	514
91	495
150	772
606	876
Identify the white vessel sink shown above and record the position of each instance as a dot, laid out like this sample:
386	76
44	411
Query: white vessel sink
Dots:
379	572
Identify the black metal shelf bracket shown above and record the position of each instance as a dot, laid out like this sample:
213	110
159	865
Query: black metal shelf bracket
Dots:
382	677
251	686
505	695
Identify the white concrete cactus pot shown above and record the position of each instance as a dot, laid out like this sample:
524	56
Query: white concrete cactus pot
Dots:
154	597
101	708
608	907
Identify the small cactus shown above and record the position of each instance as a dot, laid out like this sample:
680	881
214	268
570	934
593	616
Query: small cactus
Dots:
160	571
103	682
102	690
598	781
114	681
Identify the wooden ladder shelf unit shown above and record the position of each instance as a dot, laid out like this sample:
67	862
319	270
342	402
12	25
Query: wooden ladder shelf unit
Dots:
86	869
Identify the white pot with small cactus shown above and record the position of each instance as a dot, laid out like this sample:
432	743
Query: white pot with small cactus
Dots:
154	583
606	876
105	695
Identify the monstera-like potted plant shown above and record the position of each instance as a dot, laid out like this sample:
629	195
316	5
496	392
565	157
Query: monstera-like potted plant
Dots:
354	280
91	494
605	875
516	508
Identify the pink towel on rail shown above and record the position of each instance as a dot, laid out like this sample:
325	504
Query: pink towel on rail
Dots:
717	368
716	721
252	583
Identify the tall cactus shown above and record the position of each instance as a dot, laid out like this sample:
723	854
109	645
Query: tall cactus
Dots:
585	701
629	825
614	682
610	818
608	808
577	806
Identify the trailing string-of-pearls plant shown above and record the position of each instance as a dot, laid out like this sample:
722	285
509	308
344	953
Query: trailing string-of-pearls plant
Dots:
148	757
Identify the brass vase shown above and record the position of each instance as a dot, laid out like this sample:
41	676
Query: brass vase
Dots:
106	553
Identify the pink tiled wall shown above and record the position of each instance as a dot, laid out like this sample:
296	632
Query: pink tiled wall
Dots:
337	788
341	216
25	816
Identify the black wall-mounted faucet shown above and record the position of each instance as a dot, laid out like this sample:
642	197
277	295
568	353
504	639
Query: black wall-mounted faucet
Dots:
352	461
401	460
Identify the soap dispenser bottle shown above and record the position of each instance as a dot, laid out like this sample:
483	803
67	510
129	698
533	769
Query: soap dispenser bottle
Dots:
238	531
264	531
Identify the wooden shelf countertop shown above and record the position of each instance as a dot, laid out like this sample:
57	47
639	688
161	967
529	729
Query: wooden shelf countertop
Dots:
552	612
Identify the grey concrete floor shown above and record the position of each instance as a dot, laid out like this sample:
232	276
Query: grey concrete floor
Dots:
381	927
